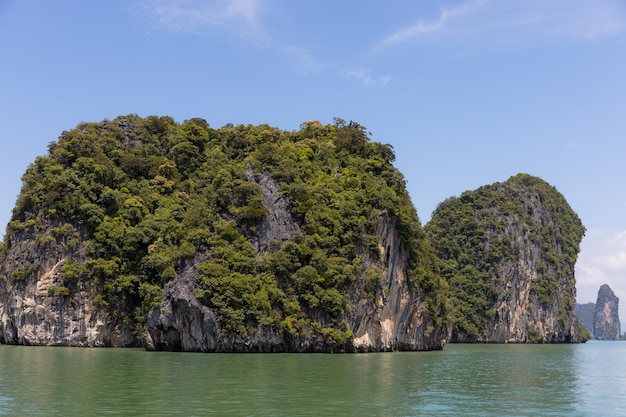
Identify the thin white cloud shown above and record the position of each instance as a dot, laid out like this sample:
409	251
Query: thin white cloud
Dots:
603	256
301	59
245	9
196	15
586	19
422	27
602	260
515	21
615	258
366	77
239	17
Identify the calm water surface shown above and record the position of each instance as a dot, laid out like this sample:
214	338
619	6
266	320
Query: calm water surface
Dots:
462	380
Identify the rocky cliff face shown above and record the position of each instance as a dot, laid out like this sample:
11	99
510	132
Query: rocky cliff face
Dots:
606	324
396	317
36	307
508	253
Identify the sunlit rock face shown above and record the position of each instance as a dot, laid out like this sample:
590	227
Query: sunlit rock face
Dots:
606	325
35	307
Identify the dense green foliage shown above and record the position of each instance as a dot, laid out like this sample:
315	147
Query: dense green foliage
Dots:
149	195
475	234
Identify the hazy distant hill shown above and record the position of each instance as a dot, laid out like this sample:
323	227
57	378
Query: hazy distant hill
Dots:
585	313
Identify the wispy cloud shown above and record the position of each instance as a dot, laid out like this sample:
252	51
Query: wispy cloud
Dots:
602	260
239	17
422	27
588	19
196	15
615	259
301	59
517	21
366	77
243	18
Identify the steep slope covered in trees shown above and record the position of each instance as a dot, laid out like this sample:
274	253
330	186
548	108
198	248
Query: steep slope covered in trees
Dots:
243	238
508	251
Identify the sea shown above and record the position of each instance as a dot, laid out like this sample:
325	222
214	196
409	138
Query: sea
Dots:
462	380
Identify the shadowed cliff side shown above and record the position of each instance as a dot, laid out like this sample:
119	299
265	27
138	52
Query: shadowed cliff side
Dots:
508	252
585	313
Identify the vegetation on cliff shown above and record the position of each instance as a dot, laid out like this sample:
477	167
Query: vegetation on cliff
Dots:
485	237
132	199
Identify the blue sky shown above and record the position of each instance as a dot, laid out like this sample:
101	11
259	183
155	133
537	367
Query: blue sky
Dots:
468	92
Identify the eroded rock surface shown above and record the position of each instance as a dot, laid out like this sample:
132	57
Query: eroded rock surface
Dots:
606	324
38	309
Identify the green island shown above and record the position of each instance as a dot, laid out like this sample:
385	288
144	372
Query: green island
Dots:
505	246
178	236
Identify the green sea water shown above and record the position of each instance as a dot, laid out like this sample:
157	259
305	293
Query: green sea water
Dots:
462	380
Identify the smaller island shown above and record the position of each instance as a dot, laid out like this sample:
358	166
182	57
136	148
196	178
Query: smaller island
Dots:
507	252
601	319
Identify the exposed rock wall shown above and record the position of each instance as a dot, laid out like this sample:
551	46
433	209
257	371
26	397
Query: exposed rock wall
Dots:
35	310
396	318
520	314
182	323
278	226
606	324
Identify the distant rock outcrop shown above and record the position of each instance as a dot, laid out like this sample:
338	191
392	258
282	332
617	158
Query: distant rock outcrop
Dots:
585	313
606	325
